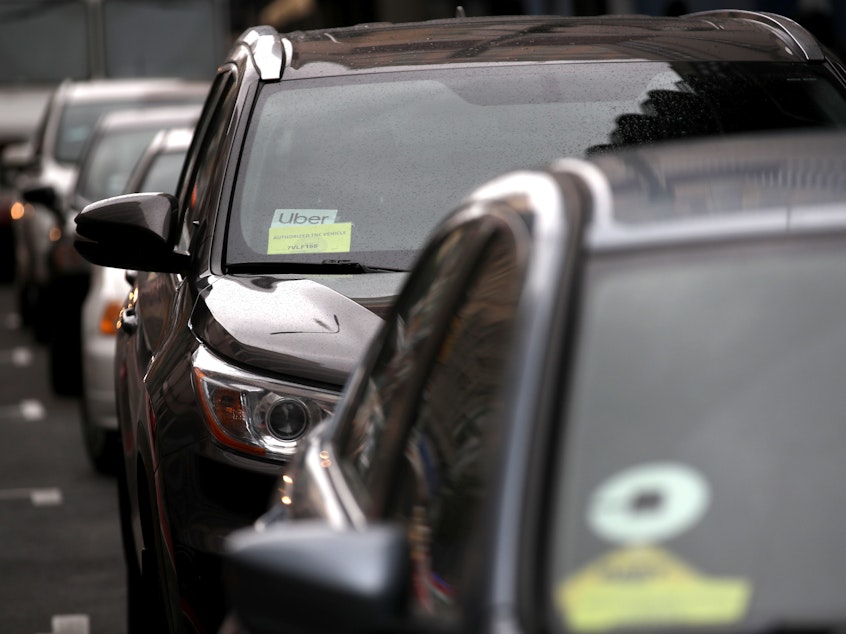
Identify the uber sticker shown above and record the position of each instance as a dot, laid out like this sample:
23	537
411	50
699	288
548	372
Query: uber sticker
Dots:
648	503
334	238
643	586
303	217
308	231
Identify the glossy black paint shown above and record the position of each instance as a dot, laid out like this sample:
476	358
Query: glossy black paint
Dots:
361	574
709	36
296	328
135	231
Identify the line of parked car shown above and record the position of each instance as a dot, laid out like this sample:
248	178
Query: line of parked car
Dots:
468	325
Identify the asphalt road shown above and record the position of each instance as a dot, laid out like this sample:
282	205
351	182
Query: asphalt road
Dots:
61	566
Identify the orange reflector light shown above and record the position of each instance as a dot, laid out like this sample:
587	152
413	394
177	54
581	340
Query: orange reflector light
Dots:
109	318
226	404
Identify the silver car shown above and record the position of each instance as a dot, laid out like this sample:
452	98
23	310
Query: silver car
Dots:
157	170
117	143
58	145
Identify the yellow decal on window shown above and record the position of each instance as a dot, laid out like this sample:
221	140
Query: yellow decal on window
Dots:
328	238
643	586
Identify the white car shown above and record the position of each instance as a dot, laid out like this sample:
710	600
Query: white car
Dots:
51	169
157	170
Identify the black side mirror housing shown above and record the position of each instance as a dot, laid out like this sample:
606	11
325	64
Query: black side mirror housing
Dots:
134	231
44	195
305	576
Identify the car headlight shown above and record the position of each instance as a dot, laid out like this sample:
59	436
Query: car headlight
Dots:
255	414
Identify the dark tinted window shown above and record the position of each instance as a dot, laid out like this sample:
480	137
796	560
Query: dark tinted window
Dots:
206	157
703	464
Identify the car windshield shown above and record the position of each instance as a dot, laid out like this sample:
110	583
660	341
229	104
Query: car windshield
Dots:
706	404
362	167
111	161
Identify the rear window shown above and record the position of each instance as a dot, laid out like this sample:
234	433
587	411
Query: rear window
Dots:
163	173
701	484
78	120
111	161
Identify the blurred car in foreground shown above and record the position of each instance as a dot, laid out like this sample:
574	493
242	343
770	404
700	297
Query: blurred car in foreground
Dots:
157	170
321	162
116	144
60	139
608	399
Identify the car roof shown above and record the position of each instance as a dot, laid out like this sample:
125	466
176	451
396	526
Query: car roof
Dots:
717	188
174	140
727	35
149	117
109	89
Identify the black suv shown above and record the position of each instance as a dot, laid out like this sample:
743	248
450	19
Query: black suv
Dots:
320	164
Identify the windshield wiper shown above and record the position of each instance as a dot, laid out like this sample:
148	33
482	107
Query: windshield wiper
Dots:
338	267
350	266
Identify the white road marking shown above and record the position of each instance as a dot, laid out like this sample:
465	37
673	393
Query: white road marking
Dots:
20	356
28	409
38	497
32	409
70	624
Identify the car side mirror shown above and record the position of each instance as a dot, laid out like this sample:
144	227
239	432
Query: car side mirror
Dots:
134	231
17	158
305	576
46	196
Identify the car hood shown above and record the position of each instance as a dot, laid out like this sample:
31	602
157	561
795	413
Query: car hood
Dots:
306	330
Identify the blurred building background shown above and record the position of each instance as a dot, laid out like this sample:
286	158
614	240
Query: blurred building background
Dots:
825	18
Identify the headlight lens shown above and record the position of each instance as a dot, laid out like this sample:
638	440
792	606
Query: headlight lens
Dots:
254	414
